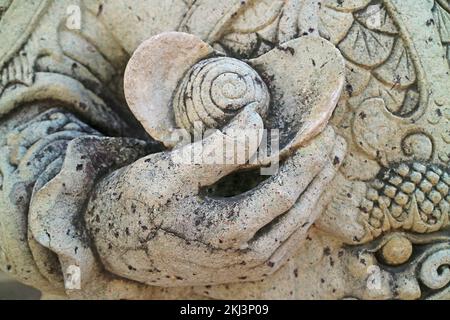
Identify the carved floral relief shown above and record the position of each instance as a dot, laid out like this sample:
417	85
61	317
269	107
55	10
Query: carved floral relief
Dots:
357	89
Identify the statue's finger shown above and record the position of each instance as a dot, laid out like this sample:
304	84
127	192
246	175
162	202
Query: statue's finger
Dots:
257	208
222	152
297	221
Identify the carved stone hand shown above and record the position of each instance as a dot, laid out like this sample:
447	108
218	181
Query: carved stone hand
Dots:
150	223
157	202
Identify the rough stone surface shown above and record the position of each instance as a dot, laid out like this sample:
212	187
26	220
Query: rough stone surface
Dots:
13	290
96	204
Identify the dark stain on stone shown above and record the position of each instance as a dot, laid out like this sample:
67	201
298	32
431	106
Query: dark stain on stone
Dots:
349	89
286	49
100	10
336	160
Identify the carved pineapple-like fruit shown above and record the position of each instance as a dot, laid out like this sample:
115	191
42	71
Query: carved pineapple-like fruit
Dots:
411	196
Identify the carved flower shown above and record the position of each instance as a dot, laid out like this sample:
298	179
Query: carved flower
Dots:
175	79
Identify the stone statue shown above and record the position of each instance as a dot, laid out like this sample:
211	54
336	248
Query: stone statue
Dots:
100	198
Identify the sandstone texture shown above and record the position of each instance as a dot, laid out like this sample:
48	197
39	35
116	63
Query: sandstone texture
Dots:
260	149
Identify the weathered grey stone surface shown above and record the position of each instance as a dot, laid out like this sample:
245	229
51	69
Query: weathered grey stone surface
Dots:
13	290
96	204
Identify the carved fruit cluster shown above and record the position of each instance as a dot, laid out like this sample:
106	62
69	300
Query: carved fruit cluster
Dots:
411	196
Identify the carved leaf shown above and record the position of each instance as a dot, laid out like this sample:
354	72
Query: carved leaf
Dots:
250	45
376	17
445	4
376	133
20	69
357	79
240	44
4	4
358	166
334	25
346	5
411	103
258	16
443	21
444	154
398	70
393	97
365	47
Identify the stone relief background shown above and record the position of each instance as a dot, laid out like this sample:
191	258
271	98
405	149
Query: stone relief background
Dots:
378	228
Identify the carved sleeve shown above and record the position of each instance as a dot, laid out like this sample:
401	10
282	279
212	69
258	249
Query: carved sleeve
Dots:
32	153
44	147
56	85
